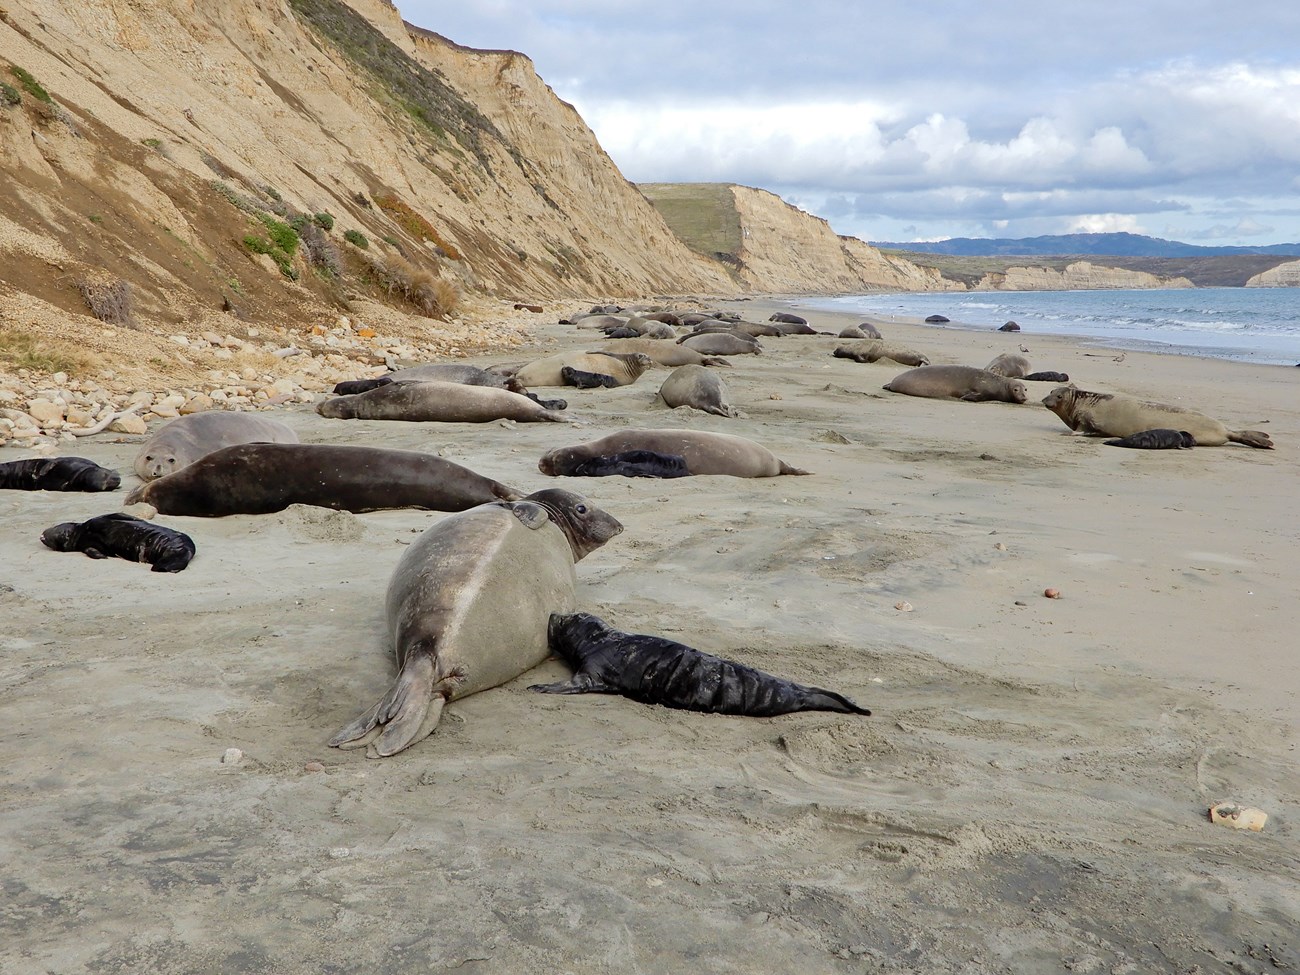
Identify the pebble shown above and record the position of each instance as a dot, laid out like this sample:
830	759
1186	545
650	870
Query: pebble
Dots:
1052	593
314	767
232	756
340	853
903	606
1000	547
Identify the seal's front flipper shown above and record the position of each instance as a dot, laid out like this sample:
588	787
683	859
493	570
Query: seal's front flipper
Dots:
531	514
578	684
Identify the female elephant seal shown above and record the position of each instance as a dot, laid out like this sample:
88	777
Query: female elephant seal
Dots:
701	452
1112	415
957	382
122	536
656	670
57	474
437	402
665	353
721	343
1010	365
698	388
184	440
259	478
625	367
468	607
875	350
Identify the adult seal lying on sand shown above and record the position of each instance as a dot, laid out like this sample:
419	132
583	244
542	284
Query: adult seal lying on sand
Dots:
655	670
698	388
185	439
702	452
874	351
1010	365
437	402
1155	440
259	478
122	536
957	382
786	318
57	474
665	353
721	343
864	331
469	604
1112	415
625	367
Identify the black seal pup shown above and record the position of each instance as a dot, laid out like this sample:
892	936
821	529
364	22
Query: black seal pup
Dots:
587	380
656	670
1158	439
122	536
57	474
469	604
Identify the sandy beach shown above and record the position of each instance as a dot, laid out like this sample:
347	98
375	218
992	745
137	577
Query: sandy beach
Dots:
1029	795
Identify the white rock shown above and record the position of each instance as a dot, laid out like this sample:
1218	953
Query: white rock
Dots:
45	411
232	756
179	339
130	423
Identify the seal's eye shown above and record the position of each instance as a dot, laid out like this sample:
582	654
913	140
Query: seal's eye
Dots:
148	456
581	509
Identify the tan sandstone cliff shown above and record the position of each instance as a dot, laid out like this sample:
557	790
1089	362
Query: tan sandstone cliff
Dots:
1079	276
1283	276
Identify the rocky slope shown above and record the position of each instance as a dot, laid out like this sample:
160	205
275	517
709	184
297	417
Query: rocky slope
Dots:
1283	276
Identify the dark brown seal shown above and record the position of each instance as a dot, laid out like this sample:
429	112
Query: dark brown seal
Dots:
122	536
702	452
57	474
656	670
469	604
259	478
958	382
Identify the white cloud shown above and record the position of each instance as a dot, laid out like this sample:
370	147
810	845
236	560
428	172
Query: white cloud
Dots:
1106	223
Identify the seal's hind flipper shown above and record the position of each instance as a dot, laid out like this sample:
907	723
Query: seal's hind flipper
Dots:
1251	438
406	714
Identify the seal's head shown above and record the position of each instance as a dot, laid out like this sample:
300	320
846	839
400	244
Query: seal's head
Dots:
59	537
586	526
1018	392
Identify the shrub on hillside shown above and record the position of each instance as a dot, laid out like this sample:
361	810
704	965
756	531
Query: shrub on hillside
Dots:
325	221
9	94
432	295
356	238
320	252
415	225
109	301
31	85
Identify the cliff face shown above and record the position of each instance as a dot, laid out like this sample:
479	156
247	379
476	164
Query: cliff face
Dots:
1079	276
1283	276
785	250
155	140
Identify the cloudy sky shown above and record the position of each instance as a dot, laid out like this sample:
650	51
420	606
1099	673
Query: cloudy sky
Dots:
925	119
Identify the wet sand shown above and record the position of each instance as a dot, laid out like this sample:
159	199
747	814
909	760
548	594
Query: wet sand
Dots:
1028	796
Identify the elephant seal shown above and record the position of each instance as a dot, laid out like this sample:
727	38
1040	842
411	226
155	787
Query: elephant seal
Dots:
656	670
57	474
122	536
587	380
1047	377
602	321
875	350
259	478
1009	327
788	319
703	453
863	331
1158	439
469	604
721	343
184	440
350	387
625	367
1010	365
698	388
936	319
1112	415
437	402
958	382
665	353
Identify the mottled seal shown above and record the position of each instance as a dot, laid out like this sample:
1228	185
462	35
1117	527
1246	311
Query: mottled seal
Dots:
656	670
437	402
698	388
721	343
957	382
873	350
1113	415
703	453
625	367
122	536
259	478
185	439
469	604
863	331
664	353
57	474
1010	365
1158	439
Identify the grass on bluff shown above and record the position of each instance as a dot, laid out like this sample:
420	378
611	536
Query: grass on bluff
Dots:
703	215
19	350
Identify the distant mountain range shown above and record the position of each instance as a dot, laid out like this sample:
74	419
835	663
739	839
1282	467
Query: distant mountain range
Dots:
1117	244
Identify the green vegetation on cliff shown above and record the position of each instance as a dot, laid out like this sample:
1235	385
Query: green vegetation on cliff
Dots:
702	215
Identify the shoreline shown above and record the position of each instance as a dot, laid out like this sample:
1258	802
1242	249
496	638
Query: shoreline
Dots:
1031	788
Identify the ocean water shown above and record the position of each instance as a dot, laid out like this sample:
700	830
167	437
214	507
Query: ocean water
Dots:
1253	324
